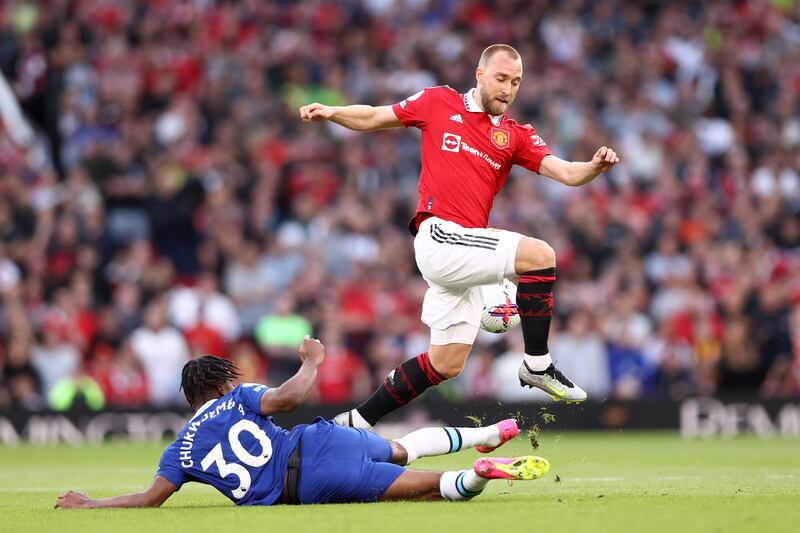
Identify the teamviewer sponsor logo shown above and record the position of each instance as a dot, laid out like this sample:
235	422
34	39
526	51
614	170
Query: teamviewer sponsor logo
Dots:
451	142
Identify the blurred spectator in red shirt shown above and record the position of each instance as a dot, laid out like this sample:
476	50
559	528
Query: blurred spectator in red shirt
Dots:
121	378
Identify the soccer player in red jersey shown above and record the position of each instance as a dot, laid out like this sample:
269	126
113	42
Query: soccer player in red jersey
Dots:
469	145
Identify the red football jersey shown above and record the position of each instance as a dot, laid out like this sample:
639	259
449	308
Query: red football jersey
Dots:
466	154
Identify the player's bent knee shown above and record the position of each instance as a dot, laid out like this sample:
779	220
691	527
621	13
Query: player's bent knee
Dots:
449	360
534	254
399	453
451	370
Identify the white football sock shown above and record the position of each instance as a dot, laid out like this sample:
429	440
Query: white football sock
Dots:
538	363
426	442
461	485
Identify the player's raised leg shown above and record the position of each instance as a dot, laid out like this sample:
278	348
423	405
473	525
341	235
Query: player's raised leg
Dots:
427	442
463	484
535	263
402	385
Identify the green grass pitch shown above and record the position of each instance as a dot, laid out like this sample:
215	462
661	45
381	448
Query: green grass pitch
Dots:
614	481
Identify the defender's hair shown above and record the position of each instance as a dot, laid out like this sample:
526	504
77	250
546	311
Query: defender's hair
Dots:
206	374
487	54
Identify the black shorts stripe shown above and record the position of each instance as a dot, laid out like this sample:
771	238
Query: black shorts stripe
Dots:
443	233
486	240
492	248
465	243
439	229
462	240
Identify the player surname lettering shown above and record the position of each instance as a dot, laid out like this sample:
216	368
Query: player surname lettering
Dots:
185	454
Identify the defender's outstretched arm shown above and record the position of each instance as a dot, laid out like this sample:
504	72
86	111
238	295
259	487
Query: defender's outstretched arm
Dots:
159	491
296	389
354	117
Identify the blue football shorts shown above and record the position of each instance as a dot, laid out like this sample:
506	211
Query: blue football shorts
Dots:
343	465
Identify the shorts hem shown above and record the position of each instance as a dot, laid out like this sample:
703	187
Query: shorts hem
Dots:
460	333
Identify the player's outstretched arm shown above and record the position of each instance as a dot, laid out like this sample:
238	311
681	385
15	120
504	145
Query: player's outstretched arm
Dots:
296	389
576	173
159	491
354	117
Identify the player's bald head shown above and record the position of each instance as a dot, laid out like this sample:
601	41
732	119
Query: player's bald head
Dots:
507	50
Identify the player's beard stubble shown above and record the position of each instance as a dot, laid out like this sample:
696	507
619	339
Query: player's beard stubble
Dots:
491	105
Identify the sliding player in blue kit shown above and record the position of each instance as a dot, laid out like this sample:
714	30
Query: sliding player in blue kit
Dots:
233	444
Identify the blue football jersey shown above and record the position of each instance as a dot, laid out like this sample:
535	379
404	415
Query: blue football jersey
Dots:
231	446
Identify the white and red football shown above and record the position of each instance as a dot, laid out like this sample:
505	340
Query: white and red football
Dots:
500	313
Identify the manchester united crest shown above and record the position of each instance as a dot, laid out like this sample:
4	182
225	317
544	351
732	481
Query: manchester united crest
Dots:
500	138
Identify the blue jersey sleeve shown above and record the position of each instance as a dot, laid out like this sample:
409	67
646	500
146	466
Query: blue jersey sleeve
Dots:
169	467
250	396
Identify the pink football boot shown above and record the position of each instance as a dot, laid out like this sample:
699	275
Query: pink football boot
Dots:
508	430
518	468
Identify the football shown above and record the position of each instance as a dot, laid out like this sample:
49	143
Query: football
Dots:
500	312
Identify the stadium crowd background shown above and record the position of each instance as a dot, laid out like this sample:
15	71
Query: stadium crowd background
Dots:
184	209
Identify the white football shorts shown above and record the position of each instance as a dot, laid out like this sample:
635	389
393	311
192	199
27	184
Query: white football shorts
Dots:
456	261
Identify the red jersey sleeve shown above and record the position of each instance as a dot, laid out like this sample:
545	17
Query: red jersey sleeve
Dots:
414	110
531	150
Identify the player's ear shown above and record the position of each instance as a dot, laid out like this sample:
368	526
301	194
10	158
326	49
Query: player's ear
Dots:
478	74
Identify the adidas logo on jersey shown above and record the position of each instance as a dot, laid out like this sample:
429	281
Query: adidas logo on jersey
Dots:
457	118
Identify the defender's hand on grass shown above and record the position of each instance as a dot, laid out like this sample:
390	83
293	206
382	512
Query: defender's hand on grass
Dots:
73	499
604	159
312	349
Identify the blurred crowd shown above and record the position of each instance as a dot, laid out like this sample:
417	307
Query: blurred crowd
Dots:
173	205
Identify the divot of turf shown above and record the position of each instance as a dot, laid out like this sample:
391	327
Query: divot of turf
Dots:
547	417
533	436
475	420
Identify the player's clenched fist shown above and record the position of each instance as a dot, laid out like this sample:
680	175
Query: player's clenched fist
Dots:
315	111
312	349
72	499
604	158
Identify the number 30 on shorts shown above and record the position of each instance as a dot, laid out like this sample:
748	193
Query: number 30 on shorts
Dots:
226	469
